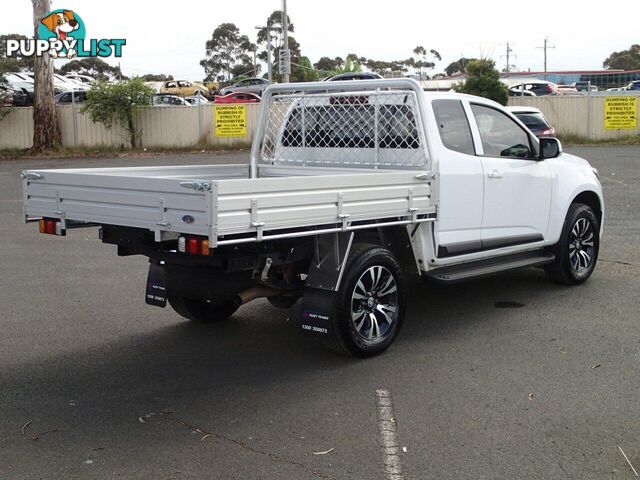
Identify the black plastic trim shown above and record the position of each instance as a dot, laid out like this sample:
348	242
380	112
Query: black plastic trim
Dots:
473	246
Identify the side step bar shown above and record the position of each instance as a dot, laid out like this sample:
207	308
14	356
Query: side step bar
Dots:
483	268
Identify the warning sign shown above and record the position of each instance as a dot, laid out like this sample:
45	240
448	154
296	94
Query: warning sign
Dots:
620	113
230	120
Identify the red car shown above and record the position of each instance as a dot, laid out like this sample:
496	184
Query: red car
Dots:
238	97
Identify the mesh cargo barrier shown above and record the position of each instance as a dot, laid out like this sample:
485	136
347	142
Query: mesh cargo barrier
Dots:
352	129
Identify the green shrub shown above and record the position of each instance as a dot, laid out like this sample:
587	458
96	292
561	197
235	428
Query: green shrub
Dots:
119	103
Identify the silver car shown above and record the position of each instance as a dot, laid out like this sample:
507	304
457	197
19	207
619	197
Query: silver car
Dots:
249	85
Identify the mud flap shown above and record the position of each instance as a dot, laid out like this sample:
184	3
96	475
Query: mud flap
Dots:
315	311
156	293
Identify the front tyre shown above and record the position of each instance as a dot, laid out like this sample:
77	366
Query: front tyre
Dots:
369	306
577	250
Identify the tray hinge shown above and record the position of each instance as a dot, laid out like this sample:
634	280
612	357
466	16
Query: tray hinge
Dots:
341	215
259	226
198	186
413	211
26	175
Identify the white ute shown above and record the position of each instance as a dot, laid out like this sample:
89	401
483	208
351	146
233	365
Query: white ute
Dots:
351	188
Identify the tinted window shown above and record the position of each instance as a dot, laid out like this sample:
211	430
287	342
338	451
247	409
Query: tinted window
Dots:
501	136
453	126
533	121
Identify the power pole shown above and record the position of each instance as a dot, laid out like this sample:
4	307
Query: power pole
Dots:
545	47
508	55
268	29
285	38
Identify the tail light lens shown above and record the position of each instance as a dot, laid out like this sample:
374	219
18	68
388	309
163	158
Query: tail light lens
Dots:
193	246
51	227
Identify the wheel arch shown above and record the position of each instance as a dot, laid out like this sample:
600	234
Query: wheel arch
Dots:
586	194
591	199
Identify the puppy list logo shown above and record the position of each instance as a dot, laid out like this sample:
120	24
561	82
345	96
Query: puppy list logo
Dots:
62	34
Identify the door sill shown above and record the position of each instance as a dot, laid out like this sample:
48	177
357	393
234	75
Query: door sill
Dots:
482	268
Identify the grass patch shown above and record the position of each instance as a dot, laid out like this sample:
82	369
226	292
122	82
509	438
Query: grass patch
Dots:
572	139
106	151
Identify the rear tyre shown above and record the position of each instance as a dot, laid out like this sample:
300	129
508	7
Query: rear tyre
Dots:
203	311
577	250
368	310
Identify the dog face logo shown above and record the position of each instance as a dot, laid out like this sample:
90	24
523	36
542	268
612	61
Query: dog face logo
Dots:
61	24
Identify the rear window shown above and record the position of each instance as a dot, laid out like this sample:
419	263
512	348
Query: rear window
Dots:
533	121
453	126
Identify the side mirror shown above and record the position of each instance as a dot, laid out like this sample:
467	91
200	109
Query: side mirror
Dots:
550	148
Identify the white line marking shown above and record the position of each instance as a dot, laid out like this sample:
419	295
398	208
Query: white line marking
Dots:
625	457
387	435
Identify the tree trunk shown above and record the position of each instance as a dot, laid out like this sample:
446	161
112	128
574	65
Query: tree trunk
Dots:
46	130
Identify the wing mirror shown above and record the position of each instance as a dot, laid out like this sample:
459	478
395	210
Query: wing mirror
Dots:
550	148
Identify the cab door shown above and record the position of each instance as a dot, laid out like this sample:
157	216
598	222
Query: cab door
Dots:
460	182
517	185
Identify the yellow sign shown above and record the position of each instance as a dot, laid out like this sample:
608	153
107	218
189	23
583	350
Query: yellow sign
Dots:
230	120
621	113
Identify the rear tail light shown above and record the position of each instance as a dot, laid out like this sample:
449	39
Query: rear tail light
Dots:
51	227
193	246
550	88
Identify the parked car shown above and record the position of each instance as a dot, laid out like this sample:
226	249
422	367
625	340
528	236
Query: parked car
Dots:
567	90
23	88
197	100
183	88
249	85
68	98
585	87
212	86
60	83
635	85
338	210
6	95
534	120
353	76
164	100
539	88
83	79
238	97
518	93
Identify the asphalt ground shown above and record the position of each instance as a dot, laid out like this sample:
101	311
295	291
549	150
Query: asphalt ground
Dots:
94	384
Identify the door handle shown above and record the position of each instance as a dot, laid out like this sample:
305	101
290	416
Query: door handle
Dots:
495	173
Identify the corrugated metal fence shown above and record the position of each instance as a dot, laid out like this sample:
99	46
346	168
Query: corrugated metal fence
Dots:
178	126
581	115
188	126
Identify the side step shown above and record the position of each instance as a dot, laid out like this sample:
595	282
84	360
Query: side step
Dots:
491	266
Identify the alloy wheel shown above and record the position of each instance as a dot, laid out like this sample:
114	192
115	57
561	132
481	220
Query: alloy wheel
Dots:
374	303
